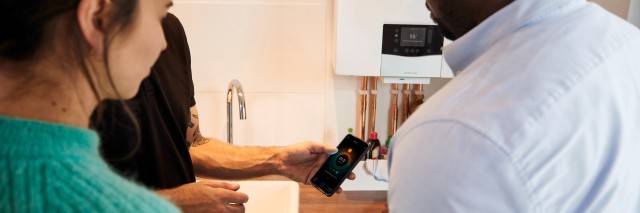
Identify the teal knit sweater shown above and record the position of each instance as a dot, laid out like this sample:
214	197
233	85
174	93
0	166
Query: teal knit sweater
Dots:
46	167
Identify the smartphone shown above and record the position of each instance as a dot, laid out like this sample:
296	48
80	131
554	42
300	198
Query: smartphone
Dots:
333	172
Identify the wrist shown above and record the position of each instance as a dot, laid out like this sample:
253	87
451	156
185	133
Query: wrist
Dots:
169	194
277	161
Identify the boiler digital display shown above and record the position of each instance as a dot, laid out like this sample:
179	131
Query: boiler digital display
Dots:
414	37
411	40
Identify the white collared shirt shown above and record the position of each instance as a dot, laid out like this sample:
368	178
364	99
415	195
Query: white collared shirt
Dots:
542	116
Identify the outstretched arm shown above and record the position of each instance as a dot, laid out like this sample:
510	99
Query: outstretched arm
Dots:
216	159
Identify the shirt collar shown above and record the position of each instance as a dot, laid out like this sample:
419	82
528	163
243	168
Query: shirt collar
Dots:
509	19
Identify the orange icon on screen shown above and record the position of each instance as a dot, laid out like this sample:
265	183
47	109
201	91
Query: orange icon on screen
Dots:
349	151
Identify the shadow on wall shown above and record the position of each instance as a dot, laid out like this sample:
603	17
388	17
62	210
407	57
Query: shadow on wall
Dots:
626	9
618	7
634	12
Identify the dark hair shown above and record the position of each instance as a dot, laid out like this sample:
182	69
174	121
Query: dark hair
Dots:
26	23
26	26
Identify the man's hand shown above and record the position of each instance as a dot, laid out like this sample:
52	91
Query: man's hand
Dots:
301	161
207	196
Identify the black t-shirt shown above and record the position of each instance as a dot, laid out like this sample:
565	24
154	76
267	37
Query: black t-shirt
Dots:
162	109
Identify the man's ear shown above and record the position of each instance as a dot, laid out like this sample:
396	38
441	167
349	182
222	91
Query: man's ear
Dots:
93	18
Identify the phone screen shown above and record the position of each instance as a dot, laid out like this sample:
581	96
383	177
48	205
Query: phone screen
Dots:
333	172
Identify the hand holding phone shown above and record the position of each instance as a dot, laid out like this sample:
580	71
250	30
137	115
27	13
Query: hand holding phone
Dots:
335	170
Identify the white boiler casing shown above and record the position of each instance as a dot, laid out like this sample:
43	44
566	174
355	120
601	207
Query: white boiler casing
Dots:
358	38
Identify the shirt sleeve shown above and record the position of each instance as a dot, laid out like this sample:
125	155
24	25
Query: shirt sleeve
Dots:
448	167
180	47
187	55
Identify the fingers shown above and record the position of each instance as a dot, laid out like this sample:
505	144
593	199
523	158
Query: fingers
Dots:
224	185
236	197
333	152
236	208
213	196
351	176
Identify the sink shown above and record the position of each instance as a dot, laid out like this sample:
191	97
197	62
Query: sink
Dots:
271	196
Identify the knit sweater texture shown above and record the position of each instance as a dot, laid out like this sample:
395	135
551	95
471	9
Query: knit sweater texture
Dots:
47	167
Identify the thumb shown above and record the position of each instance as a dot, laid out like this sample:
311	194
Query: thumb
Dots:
317	148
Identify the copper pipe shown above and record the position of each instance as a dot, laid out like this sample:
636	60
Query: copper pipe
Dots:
419	94
418	98
406	91
362	116
373	98
393	110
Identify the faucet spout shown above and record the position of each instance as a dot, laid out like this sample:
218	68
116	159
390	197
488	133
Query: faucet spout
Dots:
243	110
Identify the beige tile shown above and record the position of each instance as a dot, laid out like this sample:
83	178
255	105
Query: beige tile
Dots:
272	118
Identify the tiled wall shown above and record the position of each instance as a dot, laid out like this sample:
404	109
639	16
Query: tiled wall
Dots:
276	49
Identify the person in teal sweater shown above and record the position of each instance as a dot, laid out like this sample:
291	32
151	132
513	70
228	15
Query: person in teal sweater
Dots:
58	60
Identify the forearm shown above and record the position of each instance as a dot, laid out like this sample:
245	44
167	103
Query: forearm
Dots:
170	194
217	159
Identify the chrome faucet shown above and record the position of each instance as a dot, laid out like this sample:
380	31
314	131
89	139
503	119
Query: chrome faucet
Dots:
243	110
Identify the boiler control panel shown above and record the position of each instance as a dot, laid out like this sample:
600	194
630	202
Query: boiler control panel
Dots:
411	40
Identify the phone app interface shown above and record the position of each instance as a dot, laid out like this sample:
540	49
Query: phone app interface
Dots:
339	164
